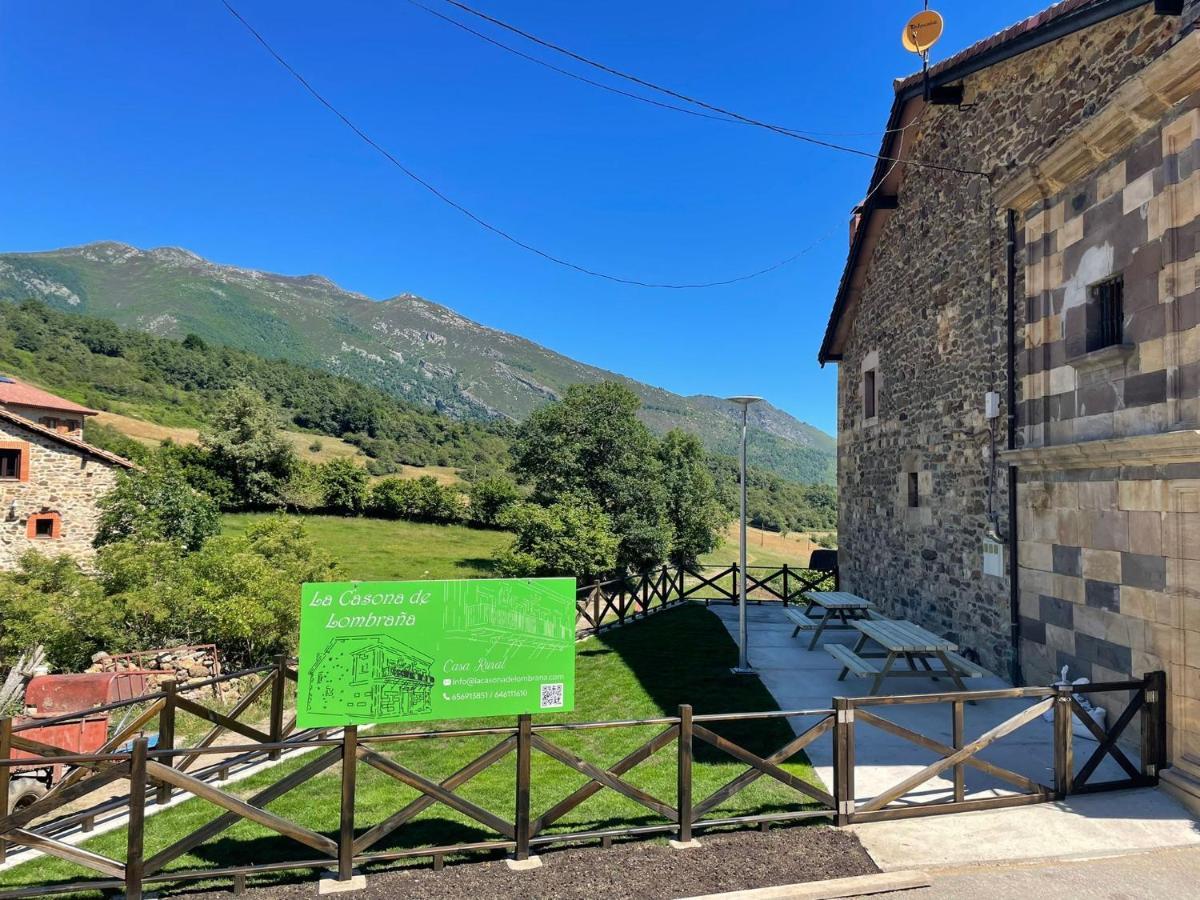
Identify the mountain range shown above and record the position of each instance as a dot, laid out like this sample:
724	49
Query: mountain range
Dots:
406	345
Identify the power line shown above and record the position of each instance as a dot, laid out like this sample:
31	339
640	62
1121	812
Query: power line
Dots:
777	129
483	223
509	48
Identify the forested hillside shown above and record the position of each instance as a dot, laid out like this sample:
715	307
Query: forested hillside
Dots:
172	382
405	346
179	383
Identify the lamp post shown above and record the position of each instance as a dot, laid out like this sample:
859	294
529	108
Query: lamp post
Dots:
743	666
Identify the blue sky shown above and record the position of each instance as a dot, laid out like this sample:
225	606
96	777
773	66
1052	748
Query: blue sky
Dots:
164	124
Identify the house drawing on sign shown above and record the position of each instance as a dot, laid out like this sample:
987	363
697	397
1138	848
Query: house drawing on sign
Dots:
51	480
370	675
490	613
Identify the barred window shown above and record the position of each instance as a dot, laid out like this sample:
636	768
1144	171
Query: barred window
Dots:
1106	314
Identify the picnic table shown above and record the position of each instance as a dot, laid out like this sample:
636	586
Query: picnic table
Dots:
901	639
836	606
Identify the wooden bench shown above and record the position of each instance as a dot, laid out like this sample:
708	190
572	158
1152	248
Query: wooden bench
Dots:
851	661
965	667
799	619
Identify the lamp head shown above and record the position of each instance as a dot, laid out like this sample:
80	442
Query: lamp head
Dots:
744	401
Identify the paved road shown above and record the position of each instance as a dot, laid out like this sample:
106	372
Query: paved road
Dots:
1164	874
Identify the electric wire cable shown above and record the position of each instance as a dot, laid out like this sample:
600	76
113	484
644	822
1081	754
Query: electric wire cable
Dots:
509	48
778	129
478	220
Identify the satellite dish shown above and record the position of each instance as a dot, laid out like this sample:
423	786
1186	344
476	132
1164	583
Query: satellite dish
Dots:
922	31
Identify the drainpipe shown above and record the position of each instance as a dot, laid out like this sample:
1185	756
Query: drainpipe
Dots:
1014	590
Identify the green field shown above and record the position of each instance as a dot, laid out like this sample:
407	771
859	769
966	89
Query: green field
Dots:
624	674
383	549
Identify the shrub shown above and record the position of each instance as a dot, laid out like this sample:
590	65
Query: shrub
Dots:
421	499
240	592
156	504
48	601
491	497
344	485
573	537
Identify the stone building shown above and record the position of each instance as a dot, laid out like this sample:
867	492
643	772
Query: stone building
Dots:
50	478
56	413
1018	338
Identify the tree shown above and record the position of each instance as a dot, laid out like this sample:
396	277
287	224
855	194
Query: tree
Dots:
571	537
345	486
491	497
244	442
694	506
591	445
156	504
48	601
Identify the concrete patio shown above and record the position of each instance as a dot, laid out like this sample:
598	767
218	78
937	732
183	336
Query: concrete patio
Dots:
1097	824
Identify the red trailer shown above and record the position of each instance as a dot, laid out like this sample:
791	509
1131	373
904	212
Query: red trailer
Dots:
52	696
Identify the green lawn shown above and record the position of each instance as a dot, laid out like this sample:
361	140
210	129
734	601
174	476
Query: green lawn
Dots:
382	549
644	669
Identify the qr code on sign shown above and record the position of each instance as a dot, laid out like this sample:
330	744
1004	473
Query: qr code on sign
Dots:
552	696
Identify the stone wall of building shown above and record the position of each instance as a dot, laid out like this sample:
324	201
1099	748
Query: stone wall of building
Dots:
1109	499
61	480
933	310
1110	576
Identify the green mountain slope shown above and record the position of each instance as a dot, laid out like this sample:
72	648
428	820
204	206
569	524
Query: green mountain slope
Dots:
411	348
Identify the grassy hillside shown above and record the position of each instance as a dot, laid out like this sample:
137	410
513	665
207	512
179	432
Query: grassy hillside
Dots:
406	346
380	549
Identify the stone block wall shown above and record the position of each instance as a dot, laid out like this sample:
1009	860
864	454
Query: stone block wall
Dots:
933	307
1110	578
62	480
1134	217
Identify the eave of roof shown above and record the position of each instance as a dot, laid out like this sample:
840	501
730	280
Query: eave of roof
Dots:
18	393
1049	25
76	443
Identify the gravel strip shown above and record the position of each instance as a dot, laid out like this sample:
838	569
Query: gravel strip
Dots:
637	870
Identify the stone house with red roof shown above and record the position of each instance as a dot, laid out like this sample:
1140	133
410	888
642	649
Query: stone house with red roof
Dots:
51	480
1017	332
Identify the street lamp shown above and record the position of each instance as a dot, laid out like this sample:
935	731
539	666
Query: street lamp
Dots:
743	666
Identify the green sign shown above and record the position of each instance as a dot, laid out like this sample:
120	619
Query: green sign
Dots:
409	651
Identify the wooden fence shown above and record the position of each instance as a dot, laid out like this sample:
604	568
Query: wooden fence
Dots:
156	773
606	604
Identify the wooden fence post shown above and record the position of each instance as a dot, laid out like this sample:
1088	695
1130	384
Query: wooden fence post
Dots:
960	788
786	593
1064	750
135	843
524	753
346	831
5	775
1153	725
277	700
166	735
843	760
683	786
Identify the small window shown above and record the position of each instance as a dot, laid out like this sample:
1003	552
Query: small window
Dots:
44	526
1106	314
914	490
49	421
10	464
869	394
